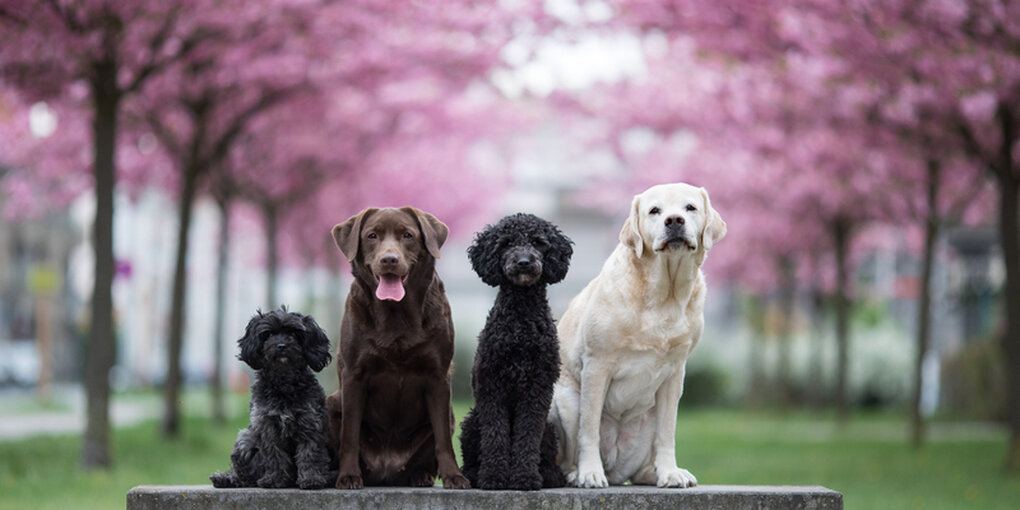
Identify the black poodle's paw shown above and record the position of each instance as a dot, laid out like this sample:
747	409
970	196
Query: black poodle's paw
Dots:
529	480
224	480
553	478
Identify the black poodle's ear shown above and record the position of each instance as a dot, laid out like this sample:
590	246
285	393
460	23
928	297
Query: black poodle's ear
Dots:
556	260
251	344
316	344
484	254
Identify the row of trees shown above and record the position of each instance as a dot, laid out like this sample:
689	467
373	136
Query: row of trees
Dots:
284	104
814	121
809	121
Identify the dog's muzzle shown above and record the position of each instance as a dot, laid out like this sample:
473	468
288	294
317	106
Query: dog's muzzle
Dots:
282	349
522	265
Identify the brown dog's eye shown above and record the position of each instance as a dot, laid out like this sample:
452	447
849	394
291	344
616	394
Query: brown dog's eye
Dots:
372	235
408	235
655	210
690	207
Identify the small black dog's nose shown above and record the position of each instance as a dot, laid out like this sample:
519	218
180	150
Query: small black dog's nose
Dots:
674	220
524	261
281	345
389	259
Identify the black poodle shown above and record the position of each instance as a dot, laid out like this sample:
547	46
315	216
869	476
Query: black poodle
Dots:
505	441
285	442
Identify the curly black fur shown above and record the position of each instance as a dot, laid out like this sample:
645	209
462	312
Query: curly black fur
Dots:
285	442
505	440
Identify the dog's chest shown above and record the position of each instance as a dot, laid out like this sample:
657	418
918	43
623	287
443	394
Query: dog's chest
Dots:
632	388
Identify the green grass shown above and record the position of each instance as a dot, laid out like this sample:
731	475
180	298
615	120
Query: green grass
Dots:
868	461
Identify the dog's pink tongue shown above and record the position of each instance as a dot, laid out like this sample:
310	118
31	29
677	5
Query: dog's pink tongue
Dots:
390	288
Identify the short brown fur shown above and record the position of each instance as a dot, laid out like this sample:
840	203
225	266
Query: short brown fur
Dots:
391	421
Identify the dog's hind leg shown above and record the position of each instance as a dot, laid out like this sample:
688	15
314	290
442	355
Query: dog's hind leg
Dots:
469	439
552	475
564	414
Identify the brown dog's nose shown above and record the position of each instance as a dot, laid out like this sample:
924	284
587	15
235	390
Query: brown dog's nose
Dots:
389	259
679	220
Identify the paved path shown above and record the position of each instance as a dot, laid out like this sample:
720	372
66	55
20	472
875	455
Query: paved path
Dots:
69	415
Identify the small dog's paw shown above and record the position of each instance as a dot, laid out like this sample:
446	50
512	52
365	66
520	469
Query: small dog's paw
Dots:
273	482
312	482
678	477
457	481
223	480
349	482
592	479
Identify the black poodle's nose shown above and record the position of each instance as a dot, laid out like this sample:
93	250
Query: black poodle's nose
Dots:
524	262
674	221
389	259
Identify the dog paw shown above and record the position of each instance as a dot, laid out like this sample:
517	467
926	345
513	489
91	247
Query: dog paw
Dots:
223	480
592	479
349	482
678	477
457	481
312	482
273	482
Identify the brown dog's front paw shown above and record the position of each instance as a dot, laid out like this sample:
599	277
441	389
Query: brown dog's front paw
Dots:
349	482
457	481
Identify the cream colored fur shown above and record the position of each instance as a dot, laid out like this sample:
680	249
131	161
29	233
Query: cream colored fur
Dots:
624	343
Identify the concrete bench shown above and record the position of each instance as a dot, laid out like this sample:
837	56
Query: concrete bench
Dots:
713	497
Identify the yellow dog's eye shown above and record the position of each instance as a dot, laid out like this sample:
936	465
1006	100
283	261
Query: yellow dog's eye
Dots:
655	210
690	207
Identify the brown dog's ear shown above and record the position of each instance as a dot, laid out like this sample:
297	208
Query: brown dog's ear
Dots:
630	235
347	235
715	227
433	230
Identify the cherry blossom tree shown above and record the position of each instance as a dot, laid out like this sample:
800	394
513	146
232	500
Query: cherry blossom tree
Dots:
100	53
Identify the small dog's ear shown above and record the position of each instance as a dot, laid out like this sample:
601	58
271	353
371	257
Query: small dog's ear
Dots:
556	260
251	344
433	230
347	235
715	227
316	344
630	234
484	254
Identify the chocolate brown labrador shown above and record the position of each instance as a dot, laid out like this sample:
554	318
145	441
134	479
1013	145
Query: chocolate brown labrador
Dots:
391	422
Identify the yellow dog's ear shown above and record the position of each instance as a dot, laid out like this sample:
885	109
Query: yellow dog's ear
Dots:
630	235
715	227
347	235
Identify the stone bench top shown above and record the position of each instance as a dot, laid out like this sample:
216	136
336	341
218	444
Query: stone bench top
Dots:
709	497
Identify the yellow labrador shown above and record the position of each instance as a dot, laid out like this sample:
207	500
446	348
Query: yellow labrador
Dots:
624	343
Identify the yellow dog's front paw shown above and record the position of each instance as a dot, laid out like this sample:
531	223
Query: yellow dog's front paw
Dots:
680	478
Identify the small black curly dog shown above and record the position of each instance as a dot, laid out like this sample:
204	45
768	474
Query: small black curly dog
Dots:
505	440
285	442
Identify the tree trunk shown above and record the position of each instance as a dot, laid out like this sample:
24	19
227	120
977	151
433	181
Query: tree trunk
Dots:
786	297
1008	176
841	238
815	380
756	393
222	270
272	254
172	386
100	351
931	233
